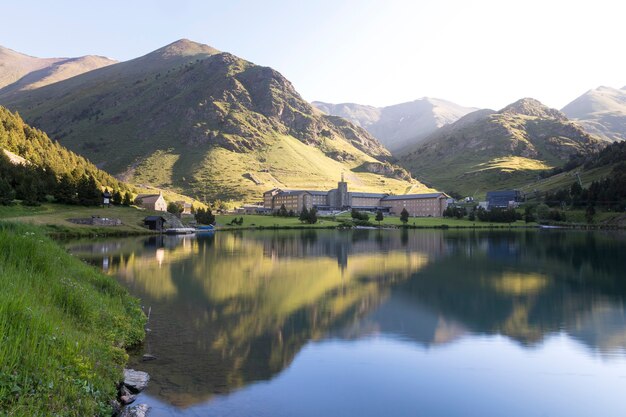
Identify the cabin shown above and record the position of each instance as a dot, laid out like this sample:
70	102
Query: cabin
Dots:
155	223
154	202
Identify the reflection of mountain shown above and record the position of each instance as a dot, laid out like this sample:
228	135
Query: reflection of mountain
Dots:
234	308
231	309
526	285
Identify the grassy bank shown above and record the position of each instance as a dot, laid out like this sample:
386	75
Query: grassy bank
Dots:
63	329
261	221
53	219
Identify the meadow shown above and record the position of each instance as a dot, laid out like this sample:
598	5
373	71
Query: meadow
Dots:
64	327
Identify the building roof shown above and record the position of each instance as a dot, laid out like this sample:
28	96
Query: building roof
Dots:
368	195
296	192
154	218
413	196
148	198
502	193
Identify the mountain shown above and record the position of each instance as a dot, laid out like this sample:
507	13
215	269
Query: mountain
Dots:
22	144
400	125
601	112
22	72
489	150
192	119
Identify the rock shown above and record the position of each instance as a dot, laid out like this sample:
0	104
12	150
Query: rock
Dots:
136	381
116	406
140	410
126	396
148	357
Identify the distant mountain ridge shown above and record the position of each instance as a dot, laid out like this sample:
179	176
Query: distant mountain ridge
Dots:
601	111
23	72
490	150
401	125
192	119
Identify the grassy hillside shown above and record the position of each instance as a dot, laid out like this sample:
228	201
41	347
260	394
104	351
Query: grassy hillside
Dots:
589	168
63	327
494	150
201	122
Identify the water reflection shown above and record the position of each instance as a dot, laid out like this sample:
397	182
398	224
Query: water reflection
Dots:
233	308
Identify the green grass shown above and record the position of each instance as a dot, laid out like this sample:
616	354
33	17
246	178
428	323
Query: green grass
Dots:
63	329
53	218
566	179
252	220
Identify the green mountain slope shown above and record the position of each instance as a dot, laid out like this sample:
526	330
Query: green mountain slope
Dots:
587	168
192	119
489	150
32	146
601	112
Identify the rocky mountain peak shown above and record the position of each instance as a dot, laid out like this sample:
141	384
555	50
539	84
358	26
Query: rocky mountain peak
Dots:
534	108
185	47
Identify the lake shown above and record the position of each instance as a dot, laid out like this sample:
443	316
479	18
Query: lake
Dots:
378	322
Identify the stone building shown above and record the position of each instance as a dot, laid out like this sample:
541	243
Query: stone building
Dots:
336	199
418	205
154	202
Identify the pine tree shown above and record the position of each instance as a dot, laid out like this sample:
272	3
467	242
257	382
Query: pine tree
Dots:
205	216
312	216
404	216
128	199
304	215
7	193
89	193
117	198
66	190
379	216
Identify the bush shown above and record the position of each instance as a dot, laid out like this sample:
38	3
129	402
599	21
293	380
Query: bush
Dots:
357	215
498	215
205	216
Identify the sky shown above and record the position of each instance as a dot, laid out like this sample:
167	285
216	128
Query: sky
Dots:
474	53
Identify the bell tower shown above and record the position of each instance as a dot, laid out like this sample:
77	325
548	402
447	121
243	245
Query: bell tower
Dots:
342	190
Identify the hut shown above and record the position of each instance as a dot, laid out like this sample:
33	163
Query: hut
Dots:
154	223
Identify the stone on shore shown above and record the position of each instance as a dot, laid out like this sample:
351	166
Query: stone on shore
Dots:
140	410
136	381
126	396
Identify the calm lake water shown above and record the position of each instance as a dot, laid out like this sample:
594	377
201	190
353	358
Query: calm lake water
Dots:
378	323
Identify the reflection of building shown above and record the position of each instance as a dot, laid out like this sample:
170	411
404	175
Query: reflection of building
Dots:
340	198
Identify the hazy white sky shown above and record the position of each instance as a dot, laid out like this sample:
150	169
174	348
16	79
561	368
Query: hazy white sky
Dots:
476	53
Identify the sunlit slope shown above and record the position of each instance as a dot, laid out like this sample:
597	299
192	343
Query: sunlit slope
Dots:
284	162
204	123
489	150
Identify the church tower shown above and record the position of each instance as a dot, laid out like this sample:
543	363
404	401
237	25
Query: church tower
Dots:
342	190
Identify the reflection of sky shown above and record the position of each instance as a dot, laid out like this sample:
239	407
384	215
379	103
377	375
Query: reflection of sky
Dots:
478	376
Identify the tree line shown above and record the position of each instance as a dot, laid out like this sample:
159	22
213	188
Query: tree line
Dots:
49	168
